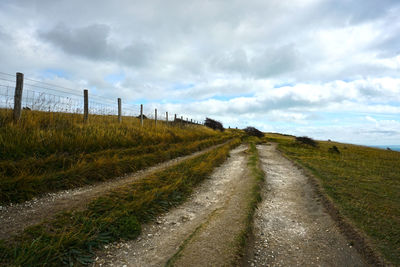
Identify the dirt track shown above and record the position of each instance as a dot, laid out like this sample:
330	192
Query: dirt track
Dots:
291	227
200	232
15	218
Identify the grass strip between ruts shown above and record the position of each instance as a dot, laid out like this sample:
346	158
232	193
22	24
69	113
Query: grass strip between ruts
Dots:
259	176
72	236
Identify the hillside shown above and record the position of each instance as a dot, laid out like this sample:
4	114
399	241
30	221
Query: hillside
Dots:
47	152
70	188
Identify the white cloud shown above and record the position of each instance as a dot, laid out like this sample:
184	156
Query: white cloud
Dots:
268	63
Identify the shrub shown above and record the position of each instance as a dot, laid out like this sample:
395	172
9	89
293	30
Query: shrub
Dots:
306	141
253	132
334	149
213	124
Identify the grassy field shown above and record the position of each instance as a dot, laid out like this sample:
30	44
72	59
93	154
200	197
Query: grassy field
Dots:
363	182
47	152
72	236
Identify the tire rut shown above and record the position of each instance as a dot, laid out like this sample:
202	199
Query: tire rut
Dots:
15	218
291	226
195	223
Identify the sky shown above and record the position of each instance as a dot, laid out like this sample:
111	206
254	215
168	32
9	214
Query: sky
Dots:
327	69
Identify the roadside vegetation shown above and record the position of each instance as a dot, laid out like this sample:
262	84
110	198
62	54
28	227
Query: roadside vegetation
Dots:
363	182
47	152
255	196
72	236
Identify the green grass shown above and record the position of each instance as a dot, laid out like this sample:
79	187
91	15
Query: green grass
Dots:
363	182
47	152
71	237
255	197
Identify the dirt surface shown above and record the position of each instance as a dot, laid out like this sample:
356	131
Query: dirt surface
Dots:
200	232
291	226
16	217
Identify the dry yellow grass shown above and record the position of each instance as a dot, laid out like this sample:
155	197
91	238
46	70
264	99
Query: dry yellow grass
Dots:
52	151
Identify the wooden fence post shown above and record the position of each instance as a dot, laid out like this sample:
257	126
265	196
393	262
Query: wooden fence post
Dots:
141	115
155	117
19	86
119	110
175	118
181	121
85	105
166	117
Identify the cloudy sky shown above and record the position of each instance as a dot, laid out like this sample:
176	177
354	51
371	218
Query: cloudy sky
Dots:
329	69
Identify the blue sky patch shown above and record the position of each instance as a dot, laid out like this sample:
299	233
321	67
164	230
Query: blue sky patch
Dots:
115	78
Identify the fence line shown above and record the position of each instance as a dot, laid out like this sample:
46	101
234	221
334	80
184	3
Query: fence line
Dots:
19	93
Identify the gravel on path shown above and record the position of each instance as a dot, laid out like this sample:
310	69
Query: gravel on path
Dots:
171	232
291	226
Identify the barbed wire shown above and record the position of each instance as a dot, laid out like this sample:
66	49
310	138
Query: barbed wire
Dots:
43	96
49	84
7	80
7	74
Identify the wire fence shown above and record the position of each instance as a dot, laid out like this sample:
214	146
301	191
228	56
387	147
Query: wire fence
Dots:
42	96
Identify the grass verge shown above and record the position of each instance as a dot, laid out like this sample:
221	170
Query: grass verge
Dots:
91	168
255	197
364	186
72	236
46	151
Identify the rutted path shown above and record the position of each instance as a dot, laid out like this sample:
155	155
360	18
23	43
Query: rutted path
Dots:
200	232
291	227
15	218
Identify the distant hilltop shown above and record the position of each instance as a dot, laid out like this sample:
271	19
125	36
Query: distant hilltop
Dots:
391	147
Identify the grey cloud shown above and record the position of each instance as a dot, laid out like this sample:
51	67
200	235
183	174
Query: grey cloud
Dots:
93	42
3	36
235	61
272	61
287	103
159	44
276	61
354	12
138	54
89	41
384	132
388	42
390	47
